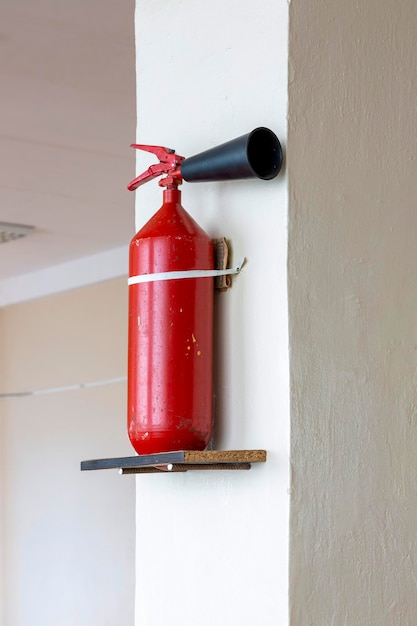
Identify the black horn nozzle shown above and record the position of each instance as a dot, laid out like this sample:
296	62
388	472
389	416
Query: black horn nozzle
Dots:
255	155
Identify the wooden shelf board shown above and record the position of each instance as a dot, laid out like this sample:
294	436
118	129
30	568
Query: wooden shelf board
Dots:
180	461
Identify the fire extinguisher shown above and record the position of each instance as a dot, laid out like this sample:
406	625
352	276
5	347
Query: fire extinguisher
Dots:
171	269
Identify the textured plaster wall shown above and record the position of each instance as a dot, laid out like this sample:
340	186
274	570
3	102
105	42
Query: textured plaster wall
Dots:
352	307
212	546
68	537
2	542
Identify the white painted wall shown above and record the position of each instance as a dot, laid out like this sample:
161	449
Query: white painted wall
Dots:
212	547
353	302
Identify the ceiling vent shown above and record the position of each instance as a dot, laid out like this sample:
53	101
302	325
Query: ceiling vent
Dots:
8	232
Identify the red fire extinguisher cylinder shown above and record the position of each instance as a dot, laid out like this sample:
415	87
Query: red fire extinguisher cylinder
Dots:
170	333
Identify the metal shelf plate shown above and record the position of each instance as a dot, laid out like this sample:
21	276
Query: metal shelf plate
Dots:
180	461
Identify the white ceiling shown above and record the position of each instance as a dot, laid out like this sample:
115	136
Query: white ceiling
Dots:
67	118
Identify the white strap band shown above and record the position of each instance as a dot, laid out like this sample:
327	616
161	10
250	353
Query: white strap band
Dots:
148	278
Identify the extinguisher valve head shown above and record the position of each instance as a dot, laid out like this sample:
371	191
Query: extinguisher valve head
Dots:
169	163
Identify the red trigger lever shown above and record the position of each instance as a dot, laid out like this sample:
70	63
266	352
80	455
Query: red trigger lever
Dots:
169	163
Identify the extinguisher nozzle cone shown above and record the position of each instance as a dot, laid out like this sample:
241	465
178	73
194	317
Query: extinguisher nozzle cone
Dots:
255	155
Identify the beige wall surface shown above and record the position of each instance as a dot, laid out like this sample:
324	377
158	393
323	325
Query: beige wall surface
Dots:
352	307
2	545
68	537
